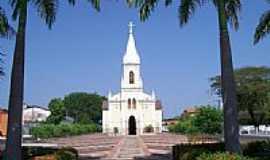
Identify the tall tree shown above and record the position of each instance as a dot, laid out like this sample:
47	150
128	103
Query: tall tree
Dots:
57	108
227	11
253	93
84	107
47	11
6	31
263	28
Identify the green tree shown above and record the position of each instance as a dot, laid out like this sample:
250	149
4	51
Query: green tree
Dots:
263	28
6	31
253	92
84	107
209	120
57	108
227	11
185	126
47	11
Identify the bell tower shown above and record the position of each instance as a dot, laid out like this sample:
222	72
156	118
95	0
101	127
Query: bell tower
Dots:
131	75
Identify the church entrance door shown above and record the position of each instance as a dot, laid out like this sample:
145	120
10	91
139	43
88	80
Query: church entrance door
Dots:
132	125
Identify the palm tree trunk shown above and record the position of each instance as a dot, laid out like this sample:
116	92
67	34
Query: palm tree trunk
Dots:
231	128
15	108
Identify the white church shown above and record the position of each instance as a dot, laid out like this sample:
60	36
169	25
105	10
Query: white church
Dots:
131	111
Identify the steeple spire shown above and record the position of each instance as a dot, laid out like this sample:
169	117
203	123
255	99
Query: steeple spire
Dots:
131	25
131	56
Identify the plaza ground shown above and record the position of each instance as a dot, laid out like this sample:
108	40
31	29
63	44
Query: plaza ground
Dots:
104	147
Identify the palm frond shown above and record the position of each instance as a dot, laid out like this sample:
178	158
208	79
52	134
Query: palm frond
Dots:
168	2
146	7
263	28
72	2
2	73
187	9
16	5
6	31
47	10
95	4
233	8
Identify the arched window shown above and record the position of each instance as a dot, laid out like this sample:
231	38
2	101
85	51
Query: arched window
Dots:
131	77
129	103
134	103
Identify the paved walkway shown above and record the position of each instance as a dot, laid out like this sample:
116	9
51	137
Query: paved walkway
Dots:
103	147
131	147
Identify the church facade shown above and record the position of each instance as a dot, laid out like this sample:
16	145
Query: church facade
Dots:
131	111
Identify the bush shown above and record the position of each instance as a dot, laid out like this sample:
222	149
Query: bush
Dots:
185	126
30	152
148	129
66	154
258	149
44	153
208	120
221	156
62	130
191	151
115	130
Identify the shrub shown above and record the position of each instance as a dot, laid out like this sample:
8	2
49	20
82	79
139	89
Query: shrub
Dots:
148	129
30	152
221	156
62	130
191	151
185	126
115	130
44	153
207	120
66	154
258	149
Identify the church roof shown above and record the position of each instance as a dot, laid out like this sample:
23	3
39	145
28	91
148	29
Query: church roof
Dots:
131	55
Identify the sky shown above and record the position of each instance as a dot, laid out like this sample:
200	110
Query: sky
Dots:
84	49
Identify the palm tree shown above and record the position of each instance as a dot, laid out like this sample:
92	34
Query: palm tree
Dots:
227	11
263	27
6	31
47	11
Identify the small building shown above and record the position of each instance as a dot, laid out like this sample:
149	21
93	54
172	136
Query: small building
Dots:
32	115
190	111
168	122
3	122
35	113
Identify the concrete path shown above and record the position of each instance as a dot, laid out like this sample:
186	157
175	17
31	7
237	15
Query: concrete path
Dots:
104	147
131	147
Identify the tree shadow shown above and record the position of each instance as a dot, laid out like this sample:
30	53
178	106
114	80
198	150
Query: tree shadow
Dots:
155	157
151	157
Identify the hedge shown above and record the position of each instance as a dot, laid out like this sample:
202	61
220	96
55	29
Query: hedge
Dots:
222	156
259	150
62	130
191	151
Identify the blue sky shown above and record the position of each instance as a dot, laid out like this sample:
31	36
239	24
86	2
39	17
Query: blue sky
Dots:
84	49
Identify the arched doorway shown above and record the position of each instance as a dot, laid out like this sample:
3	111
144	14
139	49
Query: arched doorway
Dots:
132	125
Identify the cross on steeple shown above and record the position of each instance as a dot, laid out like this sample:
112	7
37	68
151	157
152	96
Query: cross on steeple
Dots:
130	26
